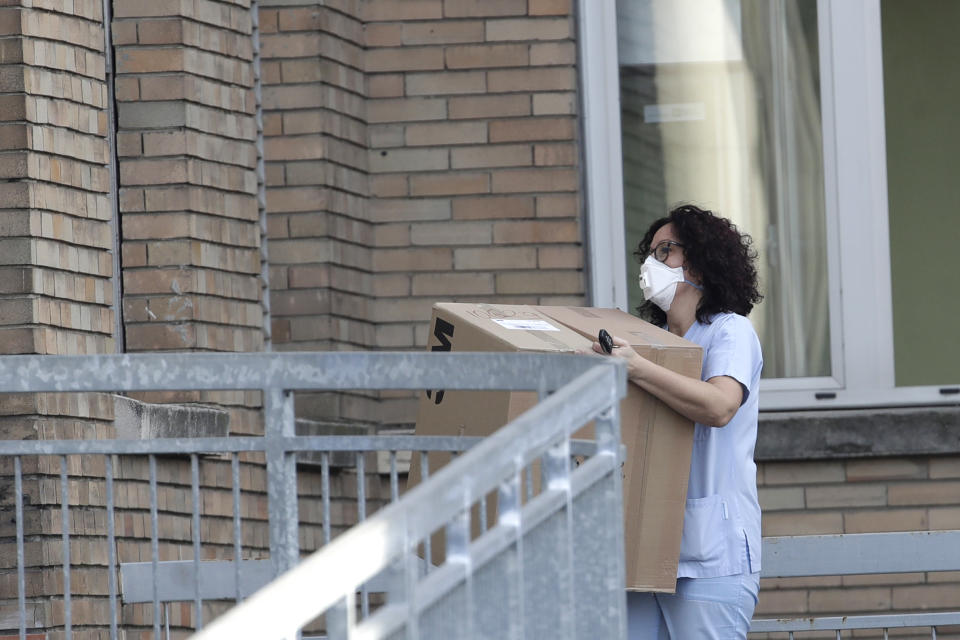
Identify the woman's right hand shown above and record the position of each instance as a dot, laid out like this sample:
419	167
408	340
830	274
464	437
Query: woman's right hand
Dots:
636	363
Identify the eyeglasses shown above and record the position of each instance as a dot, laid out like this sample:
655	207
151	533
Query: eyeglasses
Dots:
662	251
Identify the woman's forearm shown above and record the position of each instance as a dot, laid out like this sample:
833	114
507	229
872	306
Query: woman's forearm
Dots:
712	403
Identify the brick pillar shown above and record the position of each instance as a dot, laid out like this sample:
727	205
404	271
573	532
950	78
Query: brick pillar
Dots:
186	141
56	293
190	229
190	258
473	160
55	241
316	159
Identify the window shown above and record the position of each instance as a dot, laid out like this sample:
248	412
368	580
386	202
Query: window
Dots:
771	112
920	98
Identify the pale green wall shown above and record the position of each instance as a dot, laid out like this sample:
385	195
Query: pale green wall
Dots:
921	59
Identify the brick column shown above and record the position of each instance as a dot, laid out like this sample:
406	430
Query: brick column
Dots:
188	190
190	258
56	293
473	160
55	238
316	159
186	140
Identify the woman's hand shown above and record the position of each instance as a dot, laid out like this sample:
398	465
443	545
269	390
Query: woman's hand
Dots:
622	349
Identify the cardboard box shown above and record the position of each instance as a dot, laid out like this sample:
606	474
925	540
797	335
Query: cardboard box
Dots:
483	327
658	440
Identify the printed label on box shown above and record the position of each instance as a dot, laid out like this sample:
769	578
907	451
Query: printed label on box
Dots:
525	325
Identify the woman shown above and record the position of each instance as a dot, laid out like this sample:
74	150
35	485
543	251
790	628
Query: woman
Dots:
699	282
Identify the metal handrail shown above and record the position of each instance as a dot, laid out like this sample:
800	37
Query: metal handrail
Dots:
846	623
291	371
859	554
241	444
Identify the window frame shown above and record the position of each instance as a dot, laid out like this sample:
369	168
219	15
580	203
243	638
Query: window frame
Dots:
855	183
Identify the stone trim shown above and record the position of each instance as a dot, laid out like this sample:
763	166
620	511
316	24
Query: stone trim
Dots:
805	435
135	420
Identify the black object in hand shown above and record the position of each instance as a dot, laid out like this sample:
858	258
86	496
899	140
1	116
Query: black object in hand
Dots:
606	342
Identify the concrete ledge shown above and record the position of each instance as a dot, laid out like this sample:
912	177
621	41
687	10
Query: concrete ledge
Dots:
135	420
818	435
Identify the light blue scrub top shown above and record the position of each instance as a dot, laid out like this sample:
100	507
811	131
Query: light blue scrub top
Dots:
721	528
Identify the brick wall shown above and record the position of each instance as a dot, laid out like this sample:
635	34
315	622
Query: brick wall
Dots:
860	496
190	247
473	161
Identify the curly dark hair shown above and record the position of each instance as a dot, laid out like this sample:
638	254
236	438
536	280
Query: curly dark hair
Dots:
717	252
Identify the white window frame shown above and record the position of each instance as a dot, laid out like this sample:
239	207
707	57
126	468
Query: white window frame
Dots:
855	182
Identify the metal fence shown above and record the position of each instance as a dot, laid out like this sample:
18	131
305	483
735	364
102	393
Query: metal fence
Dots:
861	554
175	479
549	568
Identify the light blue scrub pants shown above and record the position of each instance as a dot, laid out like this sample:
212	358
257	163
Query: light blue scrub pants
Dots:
701	609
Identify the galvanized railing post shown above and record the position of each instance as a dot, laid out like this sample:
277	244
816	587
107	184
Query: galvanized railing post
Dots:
195	534
21	574
510	515
237	528
556	462
281	479
458	552
154	544
65	523
111	547
608	443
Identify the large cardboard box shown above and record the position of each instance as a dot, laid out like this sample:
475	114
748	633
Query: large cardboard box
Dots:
486	327
483	327
658	440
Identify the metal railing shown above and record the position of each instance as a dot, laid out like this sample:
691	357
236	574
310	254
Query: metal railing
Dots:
172	487
549	568
860	554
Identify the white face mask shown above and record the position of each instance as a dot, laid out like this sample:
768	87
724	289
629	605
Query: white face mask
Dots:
659	282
